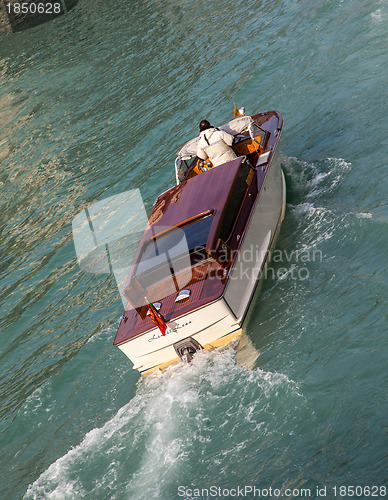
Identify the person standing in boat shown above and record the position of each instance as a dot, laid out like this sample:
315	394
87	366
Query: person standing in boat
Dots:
214	144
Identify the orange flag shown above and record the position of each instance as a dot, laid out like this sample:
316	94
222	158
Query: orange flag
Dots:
157	318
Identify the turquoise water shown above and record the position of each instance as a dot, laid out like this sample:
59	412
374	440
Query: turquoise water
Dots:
97	102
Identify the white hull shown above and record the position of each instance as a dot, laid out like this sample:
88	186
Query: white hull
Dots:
219	322
258	240
205	325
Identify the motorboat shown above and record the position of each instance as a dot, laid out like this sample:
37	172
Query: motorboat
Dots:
204	249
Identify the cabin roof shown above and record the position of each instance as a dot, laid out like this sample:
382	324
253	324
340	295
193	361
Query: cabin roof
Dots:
200	195
195	196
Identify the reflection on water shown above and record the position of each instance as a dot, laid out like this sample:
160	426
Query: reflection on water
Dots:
95	103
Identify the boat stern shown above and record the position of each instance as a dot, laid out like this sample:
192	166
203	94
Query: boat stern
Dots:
208	327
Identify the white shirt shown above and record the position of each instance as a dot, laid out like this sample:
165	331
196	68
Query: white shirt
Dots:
216	145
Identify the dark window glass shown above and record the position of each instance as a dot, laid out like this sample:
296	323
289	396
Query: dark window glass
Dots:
174	251
196	234
236	197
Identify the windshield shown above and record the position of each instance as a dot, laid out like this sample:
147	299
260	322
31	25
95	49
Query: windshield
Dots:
166	261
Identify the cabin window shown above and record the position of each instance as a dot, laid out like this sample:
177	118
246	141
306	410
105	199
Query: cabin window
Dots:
190	238
169	257
235	199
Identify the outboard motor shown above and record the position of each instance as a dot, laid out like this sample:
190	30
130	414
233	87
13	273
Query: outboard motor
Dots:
186	348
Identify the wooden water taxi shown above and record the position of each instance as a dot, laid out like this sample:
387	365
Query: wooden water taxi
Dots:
203	251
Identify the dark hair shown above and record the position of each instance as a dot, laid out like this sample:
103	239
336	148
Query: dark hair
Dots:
204	125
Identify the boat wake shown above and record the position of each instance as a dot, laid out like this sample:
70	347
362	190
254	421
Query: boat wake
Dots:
190	421
313	209
314	180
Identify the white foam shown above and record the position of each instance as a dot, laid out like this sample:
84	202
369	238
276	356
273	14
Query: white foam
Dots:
171	411
364	215
313	179
56	481
40	400
105	333
377	16
312	182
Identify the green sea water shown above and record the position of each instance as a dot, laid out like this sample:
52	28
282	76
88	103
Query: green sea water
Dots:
97	102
